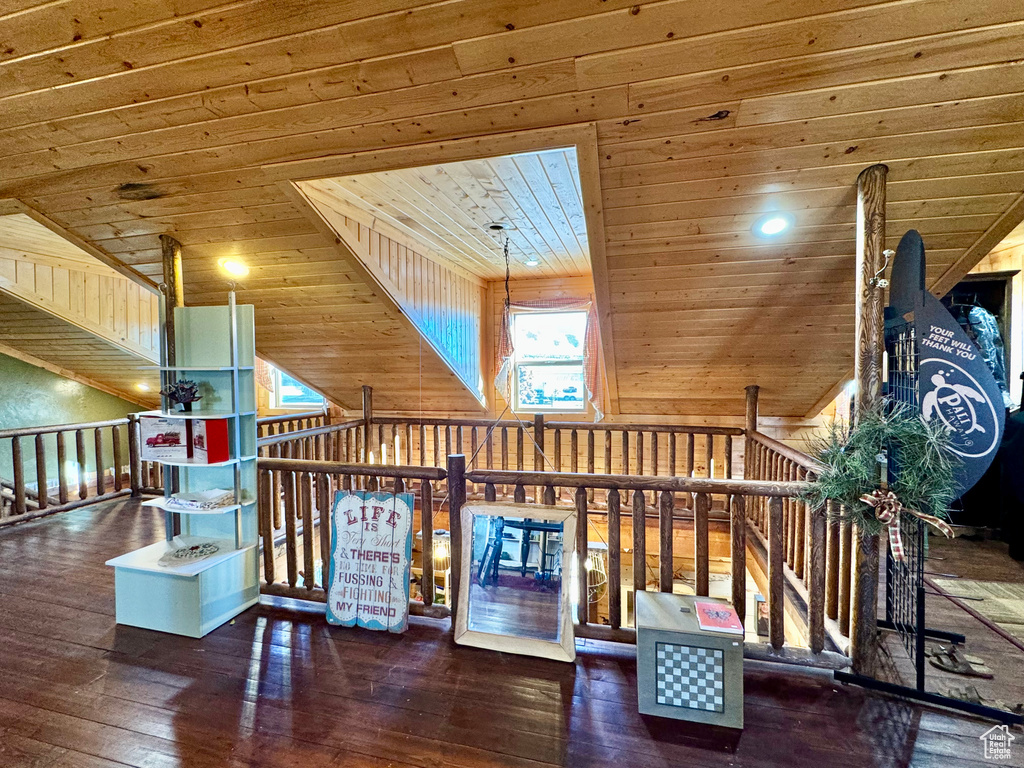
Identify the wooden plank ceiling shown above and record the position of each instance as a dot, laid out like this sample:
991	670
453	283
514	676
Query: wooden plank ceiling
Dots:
452	210
38	337
124	122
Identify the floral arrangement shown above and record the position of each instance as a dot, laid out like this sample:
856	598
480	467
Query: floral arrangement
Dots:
854	477
183	391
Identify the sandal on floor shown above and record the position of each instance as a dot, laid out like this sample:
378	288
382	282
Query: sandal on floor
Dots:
955	662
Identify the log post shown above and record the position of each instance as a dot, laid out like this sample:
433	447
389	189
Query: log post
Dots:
538	442
456	500
750	427
868	374
173	290
134	457
368	423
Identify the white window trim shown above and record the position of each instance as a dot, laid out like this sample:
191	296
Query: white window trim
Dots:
554	410
277	405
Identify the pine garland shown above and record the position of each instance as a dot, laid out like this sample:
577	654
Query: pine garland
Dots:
853	459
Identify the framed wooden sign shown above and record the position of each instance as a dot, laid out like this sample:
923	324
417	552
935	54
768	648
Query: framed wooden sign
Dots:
371	548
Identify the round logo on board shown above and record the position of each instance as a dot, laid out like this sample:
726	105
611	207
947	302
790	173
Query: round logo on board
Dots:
949	393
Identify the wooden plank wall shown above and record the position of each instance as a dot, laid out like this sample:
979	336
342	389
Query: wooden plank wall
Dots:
446	306
88	295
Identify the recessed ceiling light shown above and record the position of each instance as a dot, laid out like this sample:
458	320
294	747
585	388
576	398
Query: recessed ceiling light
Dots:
772	225
532	262
233	267
142	386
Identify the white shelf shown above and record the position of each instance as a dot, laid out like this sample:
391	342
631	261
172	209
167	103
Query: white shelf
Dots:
146	559
196	463
197	414
206	369
161	503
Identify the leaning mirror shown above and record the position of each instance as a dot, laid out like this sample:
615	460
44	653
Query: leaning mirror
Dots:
514	594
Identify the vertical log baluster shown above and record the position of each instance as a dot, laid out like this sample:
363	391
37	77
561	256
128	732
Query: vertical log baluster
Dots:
776	627
845	572
489	439
625	452
427	584
640	453
42	496
519	494
558	450
709	455
702	551
665	557
671	454
574	449
437	445
266	525
62	459
519	448
504	447
801	510
408	444
583	607
101	481
288	482
591	467
548	498
639	543
728	458
831	563
816	579
654	454
19	476
115	443
83	483
608	452
738	556
614	559
490	492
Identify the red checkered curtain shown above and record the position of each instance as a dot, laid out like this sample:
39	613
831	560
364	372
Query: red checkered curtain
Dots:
591	348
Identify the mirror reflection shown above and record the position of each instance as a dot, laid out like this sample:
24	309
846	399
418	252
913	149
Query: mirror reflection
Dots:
516	577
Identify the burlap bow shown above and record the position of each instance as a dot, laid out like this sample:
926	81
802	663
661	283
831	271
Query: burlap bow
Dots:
887	510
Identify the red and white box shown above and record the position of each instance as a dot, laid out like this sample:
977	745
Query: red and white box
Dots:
163	439
210	443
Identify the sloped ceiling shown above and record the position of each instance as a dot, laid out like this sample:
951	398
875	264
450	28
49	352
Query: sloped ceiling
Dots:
126	125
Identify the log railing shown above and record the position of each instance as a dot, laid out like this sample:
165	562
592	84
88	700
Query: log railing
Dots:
51	469
559	446
719	543
818	557
295	502
268	426
329	442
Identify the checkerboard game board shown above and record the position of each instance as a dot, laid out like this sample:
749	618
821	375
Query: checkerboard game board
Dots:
690	677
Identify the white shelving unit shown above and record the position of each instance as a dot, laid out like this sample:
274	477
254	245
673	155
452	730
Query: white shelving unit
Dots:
215	347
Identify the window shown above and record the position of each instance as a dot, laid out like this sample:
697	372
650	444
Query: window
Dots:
548	373
289	393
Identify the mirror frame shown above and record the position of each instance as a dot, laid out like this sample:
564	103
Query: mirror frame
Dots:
563	649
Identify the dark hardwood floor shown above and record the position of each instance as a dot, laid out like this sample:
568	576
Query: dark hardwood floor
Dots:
278	687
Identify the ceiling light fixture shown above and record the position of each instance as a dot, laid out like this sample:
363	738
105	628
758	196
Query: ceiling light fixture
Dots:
532	262
233	267
772	224
142	386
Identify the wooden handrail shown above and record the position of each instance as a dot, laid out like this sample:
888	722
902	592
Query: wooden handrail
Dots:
298	434
281	418
639	483
356	470
788	452
682	429
51	429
